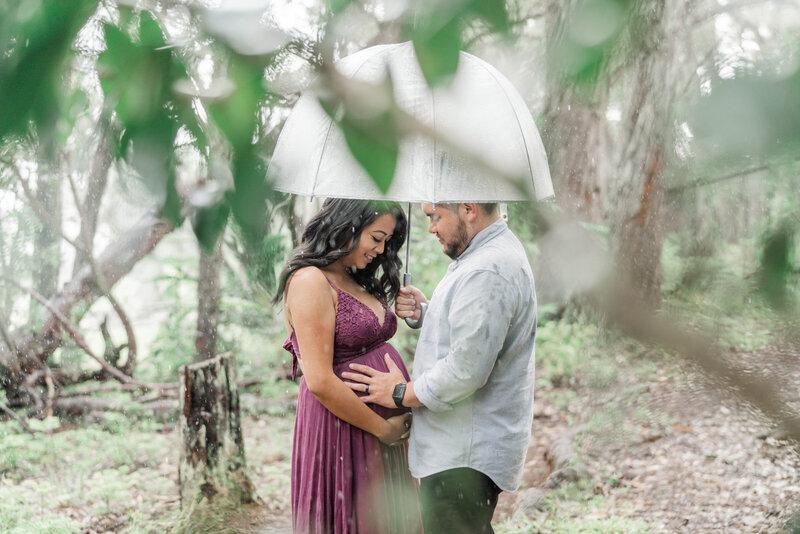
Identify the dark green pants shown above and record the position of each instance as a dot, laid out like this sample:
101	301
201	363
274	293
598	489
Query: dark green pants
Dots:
458	501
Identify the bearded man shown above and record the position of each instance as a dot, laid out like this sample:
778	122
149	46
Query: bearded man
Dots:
471	391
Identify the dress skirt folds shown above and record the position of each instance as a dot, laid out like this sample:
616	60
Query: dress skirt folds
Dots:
344	480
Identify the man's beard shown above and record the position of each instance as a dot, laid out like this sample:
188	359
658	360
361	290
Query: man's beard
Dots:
458	244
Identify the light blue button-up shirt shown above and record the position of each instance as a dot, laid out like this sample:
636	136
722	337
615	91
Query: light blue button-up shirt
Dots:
474	364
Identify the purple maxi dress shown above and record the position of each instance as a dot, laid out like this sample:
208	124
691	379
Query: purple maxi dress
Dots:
344	480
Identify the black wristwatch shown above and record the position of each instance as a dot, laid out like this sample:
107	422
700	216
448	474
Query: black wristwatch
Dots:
398	394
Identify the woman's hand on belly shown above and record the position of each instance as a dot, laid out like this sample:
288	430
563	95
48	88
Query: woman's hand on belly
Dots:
397	430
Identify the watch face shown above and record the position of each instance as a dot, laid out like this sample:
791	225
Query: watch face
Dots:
398	393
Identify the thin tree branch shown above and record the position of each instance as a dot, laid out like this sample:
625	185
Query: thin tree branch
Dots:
42	214
730	176
51	391
130	362
16	418
115	389
512	23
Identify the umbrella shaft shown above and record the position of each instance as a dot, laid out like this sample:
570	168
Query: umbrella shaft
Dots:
408	238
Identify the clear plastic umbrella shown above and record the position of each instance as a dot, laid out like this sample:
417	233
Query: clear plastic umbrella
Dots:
479	112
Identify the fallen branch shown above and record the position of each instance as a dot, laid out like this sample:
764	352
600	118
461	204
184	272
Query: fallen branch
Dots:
73	331
51	391
79	406
36	342
16	418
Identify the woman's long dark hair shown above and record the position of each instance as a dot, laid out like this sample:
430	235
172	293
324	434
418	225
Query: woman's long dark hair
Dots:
334	232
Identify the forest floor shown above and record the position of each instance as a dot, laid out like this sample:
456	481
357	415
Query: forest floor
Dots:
656	449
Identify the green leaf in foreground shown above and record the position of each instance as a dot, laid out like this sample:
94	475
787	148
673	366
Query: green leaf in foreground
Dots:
438	52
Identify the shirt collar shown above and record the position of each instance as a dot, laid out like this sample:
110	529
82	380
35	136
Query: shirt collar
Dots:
484	236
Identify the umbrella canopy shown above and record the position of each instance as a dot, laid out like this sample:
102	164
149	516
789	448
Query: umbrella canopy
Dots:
480	112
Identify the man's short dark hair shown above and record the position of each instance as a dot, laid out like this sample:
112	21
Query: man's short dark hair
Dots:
489	208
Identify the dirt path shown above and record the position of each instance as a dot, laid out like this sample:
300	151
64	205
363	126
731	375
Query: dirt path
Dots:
674	453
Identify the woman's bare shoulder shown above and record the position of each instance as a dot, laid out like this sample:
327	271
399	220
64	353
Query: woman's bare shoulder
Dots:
308	279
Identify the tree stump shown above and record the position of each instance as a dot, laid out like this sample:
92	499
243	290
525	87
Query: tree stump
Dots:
212	468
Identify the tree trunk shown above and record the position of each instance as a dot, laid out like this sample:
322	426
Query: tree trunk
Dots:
208	297
638	225
95	189
37	341
575	133
47	240
212	469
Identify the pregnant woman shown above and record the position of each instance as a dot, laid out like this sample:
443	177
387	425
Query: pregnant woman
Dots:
349	465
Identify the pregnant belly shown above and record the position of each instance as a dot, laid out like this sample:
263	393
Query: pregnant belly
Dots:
374	358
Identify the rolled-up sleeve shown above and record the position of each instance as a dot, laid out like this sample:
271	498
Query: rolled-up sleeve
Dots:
479	316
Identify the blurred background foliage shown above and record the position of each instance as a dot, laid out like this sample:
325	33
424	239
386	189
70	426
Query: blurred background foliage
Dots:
672	129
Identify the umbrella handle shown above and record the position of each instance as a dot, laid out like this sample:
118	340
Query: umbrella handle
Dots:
423	306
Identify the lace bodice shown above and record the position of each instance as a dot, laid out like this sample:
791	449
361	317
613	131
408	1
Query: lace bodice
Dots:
358	330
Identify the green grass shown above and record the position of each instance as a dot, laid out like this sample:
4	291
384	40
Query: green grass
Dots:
563	349
54	482
576	509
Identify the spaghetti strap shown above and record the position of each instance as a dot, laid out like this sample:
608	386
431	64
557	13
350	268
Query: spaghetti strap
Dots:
334	286
289	281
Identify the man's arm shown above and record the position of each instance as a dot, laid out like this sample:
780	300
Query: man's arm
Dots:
381	385
479	316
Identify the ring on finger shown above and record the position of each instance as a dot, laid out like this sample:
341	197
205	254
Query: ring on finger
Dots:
366	389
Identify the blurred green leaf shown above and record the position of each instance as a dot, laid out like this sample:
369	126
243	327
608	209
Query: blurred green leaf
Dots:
370	129
134	77
591	34
337	6
437	32
248	198
150	34
236	114
777	265
171	210
208	225
438	52
494	12
73	103
375	144
149	149
39	38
